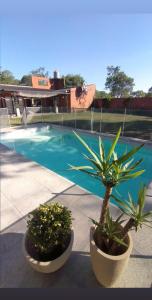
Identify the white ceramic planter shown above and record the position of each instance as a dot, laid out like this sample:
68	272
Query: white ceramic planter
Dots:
49	266
108	268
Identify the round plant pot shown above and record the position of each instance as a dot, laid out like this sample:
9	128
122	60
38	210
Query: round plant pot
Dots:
108	268
48	266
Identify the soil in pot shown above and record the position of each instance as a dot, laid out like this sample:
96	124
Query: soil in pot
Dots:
53	254
109	247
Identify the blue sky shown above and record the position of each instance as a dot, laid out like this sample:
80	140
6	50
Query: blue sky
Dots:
81	37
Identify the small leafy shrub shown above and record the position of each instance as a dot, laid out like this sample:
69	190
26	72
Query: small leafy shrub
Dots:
49	231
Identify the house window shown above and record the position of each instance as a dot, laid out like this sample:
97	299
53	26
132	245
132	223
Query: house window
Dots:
43	82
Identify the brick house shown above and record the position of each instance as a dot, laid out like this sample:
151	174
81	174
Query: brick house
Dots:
46	92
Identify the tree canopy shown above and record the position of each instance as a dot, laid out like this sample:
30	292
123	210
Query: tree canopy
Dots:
72	80
150	90
101	95
119	84
26	80
7	77
138	93
41	72
149	94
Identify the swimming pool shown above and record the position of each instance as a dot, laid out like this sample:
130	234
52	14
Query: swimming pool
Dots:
55	148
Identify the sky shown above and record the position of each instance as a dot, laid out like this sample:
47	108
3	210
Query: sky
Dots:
82	37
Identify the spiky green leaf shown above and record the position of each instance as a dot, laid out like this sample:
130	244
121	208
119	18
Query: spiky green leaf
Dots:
98	166
125	157
113	144
87	147
131	176
119	241
101	149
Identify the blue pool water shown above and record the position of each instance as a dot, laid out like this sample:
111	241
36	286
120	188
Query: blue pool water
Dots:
55	149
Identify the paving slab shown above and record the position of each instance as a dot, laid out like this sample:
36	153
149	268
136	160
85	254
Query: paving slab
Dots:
51	180
8	213
25	184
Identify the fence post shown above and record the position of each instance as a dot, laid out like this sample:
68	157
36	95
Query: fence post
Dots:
101	119
62	117
9	118
124	120
24	117
75	117
41	114
91	124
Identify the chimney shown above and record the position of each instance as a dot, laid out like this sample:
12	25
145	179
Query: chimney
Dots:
56	74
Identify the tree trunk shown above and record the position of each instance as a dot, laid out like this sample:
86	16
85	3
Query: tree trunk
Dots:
125	230
105	204
128	226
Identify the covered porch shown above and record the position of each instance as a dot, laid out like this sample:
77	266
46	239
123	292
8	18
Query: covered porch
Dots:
16	98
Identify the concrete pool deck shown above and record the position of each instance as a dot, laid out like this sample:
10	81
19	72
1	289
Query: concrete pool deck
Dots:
24	185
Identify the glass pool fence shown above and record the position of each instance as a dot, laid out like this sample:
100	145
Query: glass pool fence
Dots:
134	123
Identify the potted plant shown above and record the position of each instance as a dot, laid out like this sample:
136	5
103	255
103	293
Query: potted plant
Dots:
111	243
49	237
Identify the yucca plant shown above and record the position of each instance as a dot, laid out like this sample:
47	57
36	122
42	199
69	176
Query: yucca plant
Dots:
110	170
111	234
135	210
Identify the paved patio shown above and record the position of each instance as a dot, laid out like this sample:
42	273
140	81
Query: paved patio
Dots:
24	185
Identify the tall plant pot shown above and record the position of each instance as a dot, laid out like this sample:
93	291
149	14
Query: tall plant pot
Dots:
52	265
108	268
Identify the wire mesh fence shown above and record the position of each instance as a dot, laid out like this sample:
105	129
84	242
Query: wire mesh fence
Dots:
134	123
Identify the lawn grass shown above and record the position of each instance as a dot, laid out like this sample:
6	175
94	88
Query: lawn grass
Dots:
135	125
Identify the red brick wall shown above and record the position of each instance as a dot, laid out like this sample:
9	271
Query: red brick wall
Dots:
135	103
83	100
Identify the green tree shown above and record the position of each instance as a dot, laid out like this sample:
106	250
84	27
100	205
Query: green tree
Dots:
150	90
72	80
26	80
101	94
138	93
149	94
7	77
41	72
119	84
